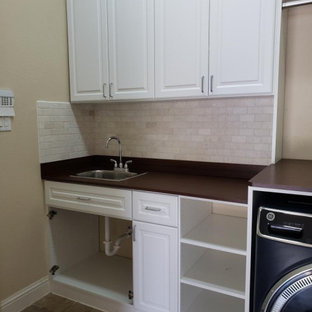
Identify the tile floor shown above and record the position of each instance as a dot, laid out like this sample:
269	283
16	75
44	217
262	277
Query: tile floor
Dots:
53	303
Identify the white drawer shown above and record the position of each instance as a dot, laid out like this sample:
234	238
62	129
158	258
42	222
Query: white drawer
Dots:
90	199
155	208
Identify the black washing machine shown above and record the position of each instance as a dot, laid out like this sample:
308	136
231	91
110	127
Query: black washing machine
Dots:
283	260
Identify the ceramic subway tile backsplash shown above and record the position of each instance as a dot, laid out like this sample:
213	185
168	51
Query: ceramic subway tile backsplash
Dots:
65	131
221	130
229	130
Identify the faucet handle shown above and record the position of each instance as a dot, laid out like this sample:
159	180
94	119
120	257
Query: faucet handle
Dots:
115	162
126	164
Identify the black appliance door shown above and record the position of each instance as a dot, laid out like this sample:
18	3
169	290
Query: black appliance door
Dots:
292	293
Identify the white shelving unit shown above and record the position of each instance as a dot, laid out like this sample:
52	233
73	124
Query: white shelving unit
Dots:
214	270
199	300
207	234
213	255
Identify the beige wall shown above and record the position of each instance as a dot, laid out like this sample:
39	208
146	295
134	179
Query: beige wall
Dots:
297	139
33	64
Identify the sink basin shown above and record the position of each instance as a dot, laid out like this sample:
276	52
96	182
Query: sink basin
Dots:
109	175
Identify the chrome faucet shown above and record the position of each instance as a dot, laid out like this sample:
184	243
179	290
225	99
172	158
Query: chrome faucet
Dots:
120	151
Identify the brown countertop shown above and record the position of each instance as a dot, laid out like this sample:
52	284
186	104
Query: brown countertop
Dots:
226	182
287	174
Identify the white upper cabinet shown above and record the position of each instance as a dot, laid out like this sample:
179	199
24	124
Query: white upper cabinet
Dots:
111	49
131	48
88	51
181	48
154	49
242	34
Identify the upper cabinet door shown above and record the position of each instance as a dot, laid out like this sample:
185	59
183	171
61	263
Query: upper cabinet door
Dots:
181	48
131	48
88	51
241	46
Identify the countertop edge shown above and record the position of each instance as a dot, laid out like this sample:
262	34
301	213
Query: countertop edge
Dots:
214	181
286	174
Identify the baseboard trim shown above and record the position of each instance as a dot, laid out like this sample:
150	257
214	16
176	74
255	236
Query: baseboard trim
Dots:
27	296
89	299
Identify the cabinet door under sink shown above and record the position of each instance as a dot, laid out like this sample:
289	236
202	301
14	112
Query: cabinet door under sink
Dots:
155	267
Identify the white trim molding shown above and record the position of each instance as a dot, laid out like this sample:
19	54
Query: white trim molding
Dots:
26	297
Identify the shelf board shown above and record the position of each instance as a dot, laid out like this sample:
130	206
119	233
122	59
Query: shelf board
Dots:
105	276
211	301
220	232
219	272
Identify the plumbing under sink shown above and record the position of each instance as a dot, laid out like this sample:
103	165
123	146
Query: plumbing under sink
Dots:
110	175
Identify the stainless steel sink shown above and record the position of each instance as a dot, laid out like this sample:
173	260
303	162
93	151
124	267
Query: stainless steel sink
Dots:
109	175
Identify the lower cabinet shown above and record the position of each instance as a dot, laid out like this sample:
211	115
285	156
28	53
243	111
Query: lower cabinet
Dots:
79	268
186	254
155	267
89	199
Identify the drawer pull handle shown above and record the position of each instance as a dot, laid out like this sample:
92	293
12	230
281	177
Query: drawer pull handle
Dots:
202	84
133	233
110	90
152	208
211	83
83	198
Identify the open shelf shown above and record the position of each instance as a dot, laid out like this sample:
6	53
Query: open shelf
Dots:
105	276
215	225
220	232
213	270
198	300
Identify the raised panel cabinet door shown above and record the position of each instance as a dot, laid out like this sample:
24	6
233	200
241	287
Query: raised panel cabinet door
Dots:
155	267
181	48
242	35
88	50
131	49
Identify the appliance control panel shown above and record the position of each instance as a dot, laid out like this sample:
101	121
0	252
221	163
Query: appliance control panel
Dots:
284	225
